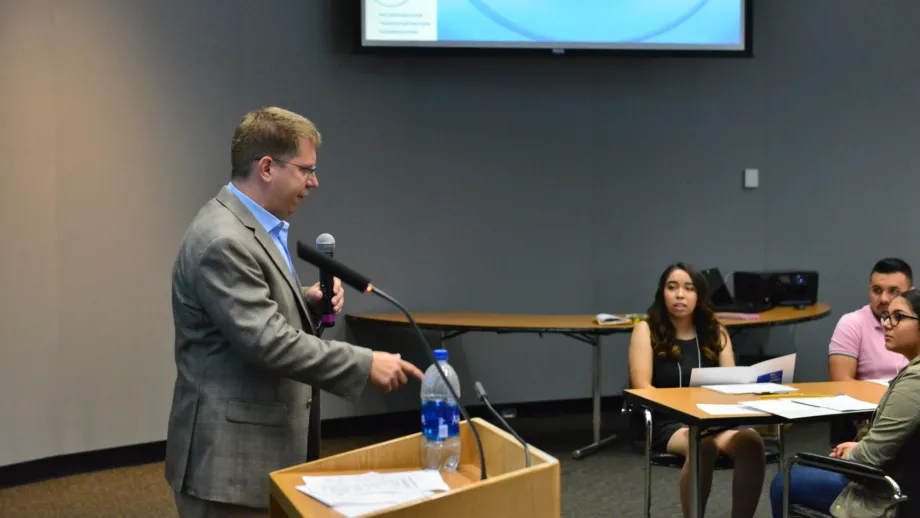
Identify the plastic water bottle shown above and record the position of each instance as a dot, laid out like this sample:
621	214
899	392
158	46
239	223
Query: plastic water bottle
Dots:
440	417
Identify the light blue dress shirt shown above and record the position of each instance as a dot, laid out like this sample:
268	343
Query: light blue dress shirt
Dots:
276	228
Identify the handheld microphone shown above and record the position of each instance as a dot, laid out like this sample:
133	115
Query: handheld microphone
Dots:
325	244
363	285
336	268
481	393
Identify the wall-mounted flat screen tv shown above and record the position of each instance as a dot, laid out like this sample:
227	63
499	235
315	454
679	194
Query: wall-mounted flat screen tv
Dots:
720	26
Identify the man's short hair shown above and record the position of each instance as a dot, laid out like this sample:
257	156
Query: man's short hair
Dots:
273	132
893	265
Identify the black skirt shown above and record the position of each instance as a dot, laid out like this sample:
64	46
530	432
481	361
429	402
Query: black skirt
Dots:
662	430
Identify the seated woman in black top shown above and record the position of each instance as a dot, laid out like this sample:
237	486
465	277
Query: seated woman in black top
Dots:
681	333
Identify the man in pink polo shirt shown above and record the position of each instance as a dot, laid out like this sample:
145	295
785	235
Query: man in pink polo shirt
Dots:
857	349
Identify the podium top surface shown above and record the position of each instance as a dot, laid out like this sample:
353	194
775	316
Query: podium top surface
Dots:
466	475
509	322
511	487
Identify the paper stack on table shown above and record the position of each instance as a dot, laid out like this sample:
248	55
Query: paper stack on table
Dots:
797	408
840	403
728	409
751	388
606	319
357	495
792	407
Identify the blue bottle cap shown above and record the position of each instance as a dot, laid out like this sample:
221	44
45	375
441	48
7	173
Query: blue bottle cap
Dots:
440	354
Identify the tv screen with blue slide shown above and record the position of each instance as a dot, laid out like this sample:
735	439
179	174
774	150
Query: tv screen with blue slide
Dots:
677	25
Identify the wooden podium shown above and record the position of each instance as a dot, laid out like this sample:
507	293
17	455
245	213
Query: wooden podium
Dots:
510	489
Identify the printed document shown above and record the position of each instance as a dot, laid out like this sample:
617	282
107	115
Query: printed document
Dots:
788	408
840	403
356	495
751	388
775	371
606	319
796	408
728	409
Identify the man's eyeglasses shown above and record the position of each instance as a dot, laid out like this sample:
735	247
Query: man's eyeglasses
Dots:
896	318
306	171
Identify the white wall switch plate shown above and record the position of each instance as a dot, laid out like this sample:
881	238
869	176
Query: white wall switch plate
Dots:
751	178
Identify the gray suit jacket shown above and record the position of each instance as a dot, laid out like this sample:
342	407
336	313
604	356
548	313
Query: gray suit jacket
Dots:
891	445
246	358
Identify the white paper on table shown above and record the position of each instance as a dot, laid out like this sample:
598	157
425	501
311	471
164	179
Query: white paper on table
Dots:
728	409
606	319
880	382
777	370
841	403
751	388
788	409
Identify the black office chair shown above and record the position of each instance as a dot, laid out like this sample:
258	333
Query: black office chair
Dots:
860	473
773	451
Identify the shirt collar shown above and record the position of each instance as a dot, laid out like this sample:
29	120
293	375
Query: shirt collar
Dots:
877	322
268	220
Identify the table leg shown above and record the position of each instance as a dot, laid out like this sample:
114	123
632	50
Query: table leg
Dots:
696	508
596	413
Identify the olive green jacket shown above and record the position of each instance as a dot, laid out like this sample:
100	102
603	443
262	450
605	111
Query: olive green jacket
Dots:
891	445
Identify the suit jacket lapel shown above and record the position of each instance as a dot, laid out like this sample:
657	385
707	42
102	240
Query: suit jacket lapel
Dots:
229	200
303	305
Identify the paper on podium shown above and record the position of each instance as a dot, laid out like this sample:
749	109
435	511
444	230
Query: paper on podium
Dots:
777	370
356	495
356	510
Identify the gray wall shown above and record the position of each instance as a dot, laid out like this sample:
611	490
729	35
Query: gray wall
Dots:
533	185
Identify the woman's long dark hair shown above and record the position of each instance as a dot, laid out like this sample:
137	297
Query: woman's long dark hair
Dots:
709	331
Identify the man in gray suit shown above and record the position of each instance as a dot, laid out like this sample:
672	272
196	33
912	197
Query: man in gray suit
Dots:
246	356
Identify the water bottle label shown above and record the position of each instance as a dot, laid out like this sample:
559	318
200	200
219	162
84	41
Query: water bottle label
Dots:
440	420
453	421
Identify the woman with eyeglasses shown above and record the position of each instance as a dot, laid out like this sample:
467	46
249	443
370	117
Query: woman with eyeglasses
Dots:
890	443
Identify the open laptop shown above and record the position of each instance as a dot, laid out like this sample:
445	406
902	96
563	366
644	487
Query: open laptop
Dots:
722	300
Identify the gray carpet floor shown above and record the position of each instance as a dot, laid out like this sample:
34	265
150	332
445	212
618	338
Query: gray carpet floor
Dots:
607	484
